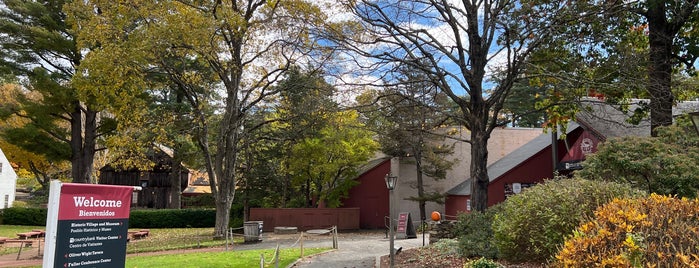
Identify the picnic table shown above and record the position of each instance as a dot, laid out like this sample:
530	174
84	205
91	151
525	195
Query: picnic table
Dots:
32	234
139	234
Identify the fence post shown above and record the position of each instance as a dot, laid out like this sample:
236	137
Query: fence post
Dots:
301	244
276	257
262	260
335	237
227	233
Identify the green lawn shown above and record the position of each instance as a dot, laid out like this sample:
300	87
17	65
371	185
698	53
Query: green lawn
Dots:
176	238
183	238
12	230
245	258
159	239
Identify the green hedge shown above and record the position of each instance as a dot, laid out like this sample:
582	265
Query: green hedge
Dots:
172	218
23	216
161	218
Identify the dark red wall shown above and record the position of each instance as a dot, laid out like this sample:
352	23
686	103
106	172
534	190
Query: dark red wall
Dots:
455	204
371	197
306	218
534	170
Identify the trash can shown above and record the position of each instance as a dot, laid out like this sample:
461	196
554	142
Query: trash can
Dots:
252	231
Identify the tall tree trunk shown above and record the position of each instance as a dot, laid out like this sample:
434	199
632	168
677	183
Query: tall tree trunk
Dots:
76	142
83	136
175	200
223	215
479	155
420	184
660	36
89	146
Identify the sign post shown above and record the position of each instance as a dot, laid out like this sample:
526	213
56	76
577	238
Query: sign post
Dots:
87	225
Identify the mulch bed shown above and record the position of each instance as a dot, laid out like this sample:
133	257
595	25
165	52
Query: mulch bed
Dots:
427	257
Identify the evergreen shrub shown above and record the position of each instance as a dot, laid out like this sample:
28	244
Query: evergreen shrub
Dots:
531	226
172	218
23	216
475	234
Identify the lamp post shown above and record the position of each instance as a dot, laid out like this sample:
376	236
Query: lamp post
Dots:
391	184
695	120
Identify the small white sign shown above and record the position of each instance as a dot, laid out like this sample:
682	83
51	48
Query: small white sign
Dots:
516	187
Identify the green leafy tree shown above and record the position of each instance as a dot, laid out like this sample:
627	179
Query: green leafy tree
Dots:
37	46
237	50
663	164
624	50
325	166
305	107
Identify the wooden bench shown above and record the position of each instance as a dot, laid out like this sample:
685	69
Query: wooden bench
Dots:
21	242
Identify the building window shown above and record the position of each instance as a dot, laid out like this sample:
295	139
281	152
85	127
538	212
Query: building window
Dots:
468	205
0	168
7	201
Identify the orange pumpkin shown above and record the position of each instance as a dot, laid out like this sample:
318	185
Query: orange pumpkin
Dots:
436	216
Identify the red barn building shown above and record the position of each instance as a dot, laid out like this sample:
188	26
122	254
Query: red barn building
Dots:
533	162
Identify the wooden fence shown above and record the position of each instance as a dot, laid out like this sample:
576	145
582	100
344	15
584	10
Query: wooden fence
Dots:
306	218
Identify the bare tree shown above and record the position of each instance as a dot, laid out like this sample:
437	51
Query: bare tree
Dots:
457	45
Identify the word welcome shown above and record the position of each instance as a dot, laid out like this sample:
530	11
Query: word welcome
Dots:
81	201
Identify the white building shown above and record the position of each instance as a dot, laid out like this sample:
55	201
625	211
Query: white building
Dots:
8	182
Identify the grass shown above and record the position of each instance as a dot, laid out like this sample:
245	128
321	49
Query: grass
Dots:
11	231
158	240
184	238
245	258
176	238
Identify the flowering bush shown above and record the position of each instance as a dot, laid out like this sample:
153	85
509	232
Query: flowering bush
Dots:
658	231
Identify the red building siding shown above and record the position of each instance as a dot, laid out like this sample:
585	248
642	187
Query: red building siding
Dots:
371	197
534	170
455	204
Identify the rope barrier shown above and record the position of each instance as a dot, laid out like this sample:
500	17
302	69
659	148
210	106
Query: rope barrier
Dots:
275	257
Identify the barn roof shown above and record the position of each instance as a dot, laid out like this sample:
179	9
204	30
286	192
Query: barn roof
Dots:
511	160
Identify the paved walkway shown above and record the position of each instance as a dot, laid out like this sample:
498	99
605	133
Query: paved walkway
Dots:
355	249
360	250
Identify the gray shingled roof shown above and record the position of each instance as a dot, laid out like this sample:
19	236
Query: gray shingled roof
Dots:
610	122
513	159
370	165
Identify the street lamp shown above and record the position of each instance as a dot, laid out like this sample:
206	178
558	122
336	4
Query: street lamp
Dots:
695	120
391	184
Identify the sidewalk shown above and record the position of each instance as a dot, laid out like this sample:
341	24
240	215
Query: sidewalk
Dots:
359	252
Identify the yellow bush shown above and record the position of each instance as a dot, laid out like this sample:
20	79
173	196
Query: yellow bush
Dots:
658	231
